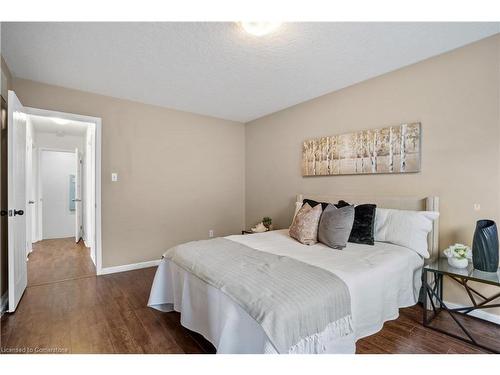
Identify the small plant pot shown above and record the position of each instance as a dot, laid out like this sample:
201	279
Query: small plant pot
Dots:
458	263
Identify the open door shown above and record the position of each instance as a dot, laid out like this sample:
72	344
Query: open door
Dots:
16	187
78	196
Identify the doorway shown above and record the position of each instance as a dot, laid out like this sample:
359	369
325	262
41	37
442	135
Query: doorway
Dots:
60	189
26	141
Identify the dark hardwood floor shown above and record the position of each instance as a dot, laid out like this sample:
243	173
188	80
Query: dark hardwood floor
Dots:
57	260
108	314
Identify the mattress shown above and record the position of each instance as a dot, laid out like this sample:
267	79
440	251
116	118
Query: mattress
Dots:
381	279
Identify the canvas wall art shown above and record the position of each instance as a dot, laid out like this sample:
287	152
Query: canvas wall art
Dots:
393	149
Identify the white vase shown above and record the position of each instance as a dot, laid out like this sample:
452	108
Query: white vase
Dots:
458	263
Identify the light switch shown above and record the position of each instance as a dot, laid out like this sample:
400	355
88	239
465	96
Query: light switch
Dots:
114	176
477	207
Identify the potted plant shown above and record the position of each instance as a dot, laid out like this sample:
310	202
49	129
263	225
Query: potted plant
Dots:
268	222
458	255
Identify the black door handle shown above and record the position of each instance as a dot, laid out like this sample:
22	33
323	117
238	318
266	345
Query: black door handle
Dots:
3	213
18	212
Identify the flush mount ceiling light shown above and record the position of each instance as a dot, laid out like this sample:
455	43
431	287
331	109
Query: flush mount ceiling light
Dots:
260	28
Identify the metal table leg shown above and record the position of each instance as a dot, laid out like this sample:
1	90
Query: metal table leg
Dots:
435	292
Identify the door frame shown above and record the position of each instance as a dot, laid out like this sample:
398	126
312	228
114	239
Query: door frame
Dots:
97	171
28	181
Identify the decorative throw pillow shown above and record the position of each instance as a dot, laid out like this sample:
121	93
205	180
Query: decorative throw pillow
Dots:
314	203
305	225
405	228
364	223
335	226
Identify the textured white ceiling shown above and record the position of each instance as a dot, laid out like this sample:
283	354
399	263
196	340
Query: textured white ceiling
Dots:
215	68
44	124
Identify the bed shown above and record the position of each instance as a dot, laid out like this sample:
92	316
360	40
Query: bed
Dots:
380	279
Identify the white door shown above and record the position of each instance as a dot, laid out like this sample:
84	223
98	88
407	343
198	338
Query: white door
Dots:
78	196
18	270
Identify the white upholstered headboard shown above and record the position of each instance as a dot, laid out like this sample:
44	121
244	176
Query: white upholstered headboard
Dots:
401	203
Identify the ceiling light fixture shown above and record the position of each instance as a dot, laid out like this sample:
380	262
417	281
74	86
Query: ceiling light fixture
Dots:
260	28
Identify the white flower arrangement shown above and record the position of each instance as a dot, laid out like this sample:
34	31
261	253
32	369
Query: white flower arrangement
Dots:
458	255
458	251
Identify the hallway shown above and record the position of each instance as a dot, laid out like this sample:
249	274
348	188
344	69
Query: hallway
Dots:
57	260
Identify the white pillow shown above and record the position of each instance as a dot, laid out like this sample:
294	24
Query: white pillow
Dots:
405	228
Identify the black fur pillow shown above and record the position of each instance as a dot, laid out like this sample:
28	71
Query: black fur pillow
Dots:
364	223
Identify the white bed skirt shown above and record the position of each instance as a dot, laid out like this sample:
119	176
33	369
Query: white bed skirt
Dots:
381	279
208	311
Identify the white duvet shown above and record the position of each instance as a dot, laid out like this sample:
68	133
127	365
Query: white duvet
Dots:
381	279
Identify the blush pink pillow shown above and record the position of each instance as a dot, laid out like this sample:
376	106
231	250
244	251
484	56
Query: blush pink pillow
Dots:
305	225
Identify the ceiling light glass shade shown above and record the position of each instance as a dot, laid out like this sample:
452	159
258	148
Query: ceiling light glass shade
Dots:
60	121
260	28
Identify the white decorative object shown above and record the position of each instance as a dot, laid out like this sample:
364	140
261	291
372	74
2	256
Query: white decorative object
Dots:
259	228
458	263
458	255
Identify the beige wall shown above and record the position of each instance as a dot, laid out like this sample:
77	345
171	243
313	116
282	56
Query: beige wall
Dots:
456	98
180	174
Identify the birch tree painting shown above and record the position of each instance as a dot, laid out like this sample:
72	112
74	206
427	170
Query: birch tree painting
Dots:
393	149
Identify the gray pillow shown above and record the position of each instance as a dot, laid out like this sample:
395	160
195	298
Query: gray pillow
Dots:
335	226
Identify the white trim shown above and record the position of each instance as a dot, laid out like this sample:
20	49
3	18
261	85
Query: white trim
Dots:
4	302
51	149
63	115
481	314
91	253
39	202
98	238
97	252
129	267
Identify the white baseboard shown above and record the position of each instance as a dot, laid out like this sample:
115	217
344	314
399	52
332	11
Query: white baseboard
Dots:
481	314
91	253
4	301
88	245
128	267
